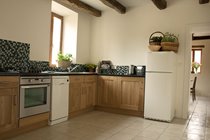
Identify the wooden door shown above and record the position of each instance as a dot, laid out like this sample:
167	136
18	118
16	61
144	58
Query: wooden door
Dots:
88	92
9	92
75	91
130	89
107	91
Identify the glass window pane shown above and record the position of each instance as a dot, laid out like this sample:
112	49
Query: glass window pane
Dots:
35	97
57	23
197	57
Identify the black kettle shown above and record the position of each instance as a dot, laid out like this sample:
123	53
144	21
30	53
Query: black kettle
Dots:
132	70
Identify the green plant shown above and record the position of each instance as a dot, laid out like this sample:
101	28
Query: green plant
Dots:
156	39
196	65
66	57
90	66
169	37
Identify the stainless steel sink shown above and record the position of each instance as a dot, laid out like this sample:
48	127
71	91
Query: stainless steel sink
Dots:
82	73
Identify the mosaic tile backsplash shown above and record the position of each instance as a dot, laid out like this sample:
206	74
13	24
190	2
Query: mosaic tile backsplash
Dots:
120	70
14	55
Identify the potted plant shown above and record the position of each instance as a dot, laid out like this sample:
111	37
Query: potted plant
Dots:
155	41
64	61
195	66
90	67
169	42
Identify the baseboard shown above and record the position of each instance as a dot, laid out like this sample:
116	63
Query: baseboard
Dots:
120	111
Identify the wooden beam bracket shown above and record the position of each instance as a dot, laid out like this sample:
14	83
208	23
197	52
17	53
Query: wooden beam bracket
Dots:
160	4
203	1
114	4
78	5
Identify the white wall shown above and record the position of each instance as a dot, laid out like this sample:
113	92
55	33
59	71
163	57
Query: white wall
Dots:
202	85
83	38
27	21
124	38
70	35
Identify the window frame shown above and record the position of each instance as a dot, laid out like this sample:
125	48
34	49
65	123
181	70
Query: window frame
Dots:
51	35
193	58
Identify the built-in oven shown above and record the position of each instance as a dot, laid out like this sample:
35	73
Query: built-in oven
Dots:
34	95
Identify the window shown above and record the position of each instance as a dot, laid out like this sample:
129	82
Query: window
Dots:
55	37
196	55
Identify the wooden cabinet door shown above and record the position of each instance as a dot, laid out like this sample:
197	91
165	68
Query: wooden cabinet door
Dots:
9	91
130	89
88	92
107	91
141	96
82	92
75	91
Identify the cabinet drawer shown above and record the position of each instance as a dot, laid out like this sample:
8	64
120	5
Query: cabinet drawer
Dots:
76	79
9	81
90	78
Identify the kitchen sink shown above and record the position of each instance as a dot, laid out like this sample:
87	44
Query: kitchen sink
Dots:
82	72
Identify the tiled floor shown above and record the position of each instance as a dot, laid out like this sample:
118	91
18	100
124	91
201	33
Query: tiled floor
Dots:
107	126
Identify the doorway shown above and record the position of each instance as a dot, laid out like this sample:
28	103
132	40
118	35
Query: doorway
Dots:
193	28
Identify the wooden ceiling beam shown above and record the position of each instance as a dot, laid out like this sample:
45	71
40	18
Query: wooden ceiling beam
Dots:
114	4
203	1
78	5
160	4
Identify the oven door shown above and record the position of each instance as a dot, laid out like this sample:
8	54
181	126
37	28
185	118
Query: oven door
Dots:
34	99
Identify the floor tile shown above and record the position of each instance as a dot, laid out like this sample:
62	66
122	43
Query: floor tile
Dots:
97	125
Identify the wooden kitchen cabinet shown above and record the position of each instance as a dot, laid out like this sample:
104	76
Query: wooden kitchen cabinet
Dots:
9	94
132	93
108	95
82	92
121	94
75	90
88	92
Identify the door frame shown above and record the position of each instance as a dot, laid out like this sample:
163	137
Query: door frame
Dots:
191	28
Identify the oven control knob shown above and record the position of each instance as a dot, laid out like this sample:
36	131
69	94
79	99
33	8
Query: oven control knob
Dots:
29	80
42	80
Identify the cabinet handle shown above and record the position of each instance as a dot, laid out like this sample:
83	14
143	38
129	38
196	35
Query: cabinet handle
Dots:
15	100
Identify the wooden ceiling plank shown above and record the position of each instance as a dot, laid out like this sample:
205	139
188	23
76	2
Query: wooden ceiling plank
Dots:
160	4
203	1
114	4
78	5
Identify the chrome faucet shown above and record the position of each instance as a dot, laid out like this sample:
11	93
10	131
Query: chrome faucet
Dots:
70	69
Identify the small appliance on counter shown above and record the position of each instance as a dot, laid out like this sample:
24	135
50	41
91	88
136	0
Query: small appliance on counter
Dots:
132	70
140	70
105	65
137	70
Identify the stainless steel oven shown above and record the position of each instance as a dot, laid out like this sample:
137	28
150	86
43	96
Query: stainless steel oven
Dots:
34	95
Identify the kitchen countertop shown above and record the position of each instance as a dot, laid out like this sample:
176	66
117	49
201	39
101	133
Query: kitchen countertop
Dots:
45	74
60	73
129	75
9	74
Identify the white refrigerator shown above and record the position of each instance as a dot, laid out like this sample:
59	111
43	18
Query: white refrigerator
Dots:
160	87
